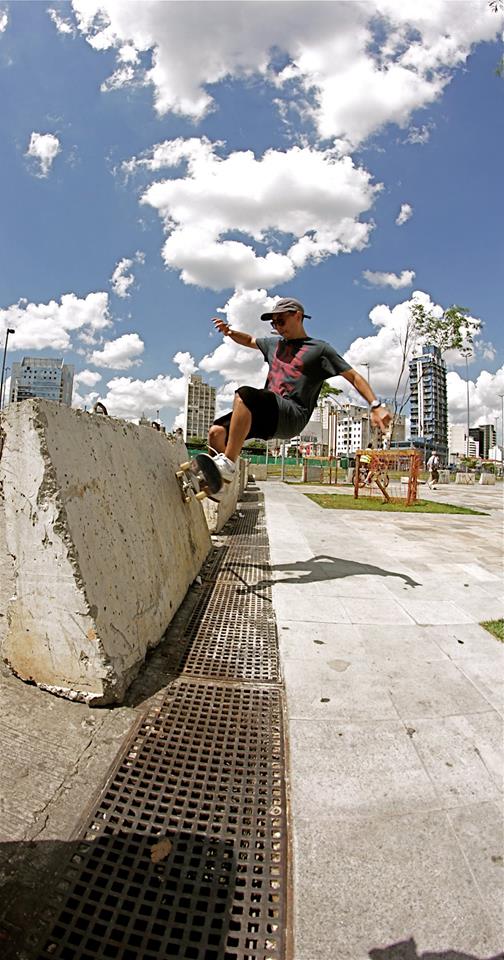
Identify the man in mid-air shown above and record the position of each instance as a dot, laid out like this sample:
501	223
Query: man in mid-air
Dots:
298	366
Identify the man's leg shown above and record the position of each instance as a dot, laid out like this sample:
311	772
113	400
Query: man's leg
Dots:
217	438
241	422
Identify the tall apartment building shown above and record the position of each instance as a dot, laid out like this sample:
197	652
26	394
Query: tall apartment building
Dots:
45	377
486	436
199	412
428	403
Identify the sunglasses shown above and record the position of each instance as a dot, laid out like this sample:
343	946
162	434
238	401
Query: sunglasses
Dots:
280	321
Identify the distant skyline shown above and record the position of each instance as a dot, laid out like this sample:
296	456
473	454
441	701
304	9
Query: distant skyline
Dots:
163	163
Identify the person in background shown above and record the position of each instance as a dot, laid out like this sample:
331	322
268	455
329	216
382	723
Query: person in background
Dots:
433	468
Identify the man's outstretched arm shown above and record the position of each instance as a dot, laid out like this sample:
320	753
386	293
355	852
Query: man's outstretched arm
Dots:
237	336
380	416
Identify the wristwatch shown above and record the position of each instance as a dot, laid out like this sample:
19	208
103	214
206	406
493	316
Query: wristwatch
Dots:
376	403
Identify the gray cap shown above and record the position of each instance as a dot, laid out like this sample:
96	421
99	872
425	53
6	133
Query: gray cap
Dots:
284	306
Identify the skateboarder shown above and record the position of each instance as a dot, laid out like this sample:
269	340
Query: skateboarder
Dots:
298	366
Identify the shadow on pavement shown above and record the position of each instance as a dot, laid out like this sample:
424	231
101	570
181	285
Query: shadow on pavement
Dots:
320	568
406	950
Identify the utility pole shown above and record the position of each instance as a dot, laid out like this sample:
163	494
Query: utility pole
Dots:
7	332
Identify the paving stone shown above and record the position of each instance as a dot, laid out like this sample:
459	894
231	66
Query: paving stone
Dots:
379	882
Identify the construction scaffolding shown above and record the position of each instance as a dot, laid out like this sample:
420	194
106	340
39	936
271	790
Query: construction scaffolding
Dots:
392	474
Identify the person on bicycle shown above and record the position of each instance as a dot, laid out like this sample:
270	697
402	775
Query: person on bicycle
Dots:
298	366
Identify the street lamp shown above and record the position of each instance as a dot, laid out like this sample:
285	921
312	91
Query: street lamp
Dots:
7	332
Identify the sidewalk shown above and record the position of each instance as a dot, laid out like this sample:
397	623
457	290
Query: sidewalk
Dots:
395	704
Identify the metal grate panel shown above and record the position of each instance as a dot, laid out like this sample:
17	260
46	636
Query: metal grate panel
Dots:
233	635
205	776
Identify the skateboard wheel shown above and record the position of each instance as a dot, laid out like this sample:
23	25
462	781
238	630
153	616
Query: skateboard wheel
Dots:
201	495
185	466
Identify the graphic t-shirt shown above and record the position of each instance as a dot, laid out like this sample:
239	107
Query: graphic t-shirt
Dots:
297	370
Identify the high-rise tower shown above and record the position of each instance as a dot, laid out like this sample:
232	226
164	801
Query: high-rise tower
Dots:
429	406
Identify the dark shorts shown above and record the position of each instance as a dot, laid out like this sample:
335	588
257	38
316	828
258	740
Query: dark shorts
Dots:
263	406
435	474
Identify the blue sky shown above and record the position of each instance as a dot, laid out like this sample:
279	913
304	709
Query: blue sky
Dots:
289	137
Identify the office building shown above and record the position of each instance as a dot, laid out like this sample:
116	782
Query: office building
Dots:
458	445
428	402
486	437
45	377
341	429
199	412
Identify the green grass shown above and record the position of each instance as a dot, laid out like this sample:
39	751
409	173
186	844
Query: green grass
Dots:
496	627
341	501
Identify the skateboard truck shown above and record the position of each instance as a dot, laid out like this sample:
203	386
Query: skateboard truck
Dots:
199	478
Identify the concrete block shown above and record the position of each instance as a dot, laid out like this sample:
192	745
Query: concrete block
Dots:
444	476
259	470
487	479
466	479
244	475
217	514
104	547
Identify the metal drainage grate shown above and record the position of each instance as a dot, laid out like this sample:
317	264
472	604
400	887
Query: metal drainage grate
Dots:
233	635
248	523
202	783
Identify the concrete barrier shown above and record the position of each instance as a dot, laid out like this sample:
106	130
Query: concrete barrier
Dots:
104	547
487	479
259	470
444	476
467	479
244	475
217	514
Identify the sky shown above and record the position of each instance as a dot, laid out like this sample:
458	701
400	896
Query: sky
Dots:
163	163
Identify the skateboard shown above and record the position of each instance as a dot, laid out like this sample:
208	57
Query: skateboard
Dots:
199	478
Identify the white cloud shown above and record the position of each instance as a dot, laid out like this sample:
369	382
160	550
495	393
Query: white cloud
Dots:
87	377
43	150
404	214
41	326
119	354
4	20
378	279
241	364
130	398
484	400
360	66
185	363
420	135
62	26
306	202
121	281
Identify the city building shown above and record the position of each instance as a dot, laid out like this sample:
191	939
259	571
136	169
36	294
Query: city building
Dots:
457	442
486	436
199	411
428	402
341	429
45	377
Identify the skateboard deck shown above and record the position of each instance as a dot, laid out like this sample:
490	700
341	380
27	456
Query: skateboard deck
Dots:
199	478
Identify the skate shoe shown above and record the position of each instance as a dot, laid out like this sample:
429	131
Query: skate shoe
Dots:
225	467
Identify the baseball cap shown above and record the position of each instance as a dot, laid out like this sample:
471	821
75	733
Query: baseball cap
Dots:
283	306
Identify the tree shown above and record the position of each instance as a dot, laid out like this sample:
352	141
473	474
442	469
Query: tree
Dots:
455	329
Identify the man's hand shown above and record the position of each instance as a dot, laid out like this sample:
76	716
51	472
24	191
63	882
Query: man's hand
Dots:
380	417
221	325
